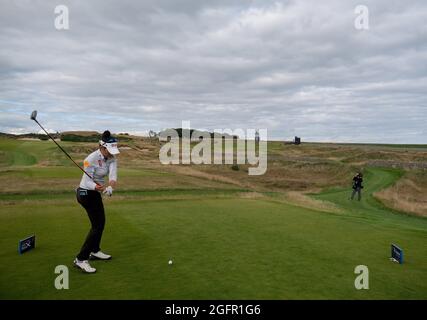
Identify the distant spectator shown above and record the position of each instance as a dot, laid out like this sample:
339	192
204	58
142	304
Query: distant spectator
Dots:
357	186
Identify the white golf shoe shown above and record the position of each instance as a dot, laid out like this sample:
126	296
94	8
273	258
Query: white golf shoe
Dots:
100	256
84	266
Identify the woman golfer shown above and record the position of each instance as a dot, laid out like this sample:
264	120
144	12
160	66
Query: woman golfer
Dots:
98	165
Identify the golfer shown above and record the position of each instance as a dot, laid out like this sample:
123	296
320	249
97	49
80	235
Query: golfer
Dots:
98	165
357	186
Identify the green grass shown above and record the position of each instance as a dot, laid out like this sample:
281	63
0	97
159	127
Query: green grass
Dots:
67	172
26	153
14	155
370	209
223	246
61	195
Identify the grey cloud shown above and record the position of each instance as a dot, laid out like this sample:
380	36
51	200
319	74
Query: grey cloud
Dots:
294	67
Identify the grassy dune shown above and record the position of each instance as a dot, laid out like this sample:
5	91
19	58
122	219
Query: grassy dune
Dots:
230	236
407	195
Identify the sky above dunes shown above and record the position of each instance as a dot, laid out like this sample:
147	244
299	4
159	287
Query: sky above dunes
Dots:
292	67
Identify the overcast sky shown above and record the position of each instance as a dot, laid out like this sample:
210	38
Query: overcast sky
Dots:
293	67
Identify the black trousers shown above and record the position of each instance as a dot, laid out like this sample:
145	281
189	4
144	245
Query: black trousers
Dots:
357	190
92	202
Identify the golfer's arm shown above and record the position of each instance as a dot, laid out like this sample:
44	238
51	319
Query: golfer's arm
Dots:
90	170
113	175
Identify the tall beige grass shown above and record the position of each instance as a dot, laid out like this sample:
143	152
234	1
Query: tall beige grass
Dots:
409	194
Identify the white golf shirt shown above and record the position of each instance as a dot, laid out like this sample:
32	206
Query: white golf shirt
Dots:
98	167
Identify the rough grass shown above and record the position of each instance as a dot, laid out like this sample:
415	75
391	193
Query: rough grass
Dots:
39	165
409	194
306	201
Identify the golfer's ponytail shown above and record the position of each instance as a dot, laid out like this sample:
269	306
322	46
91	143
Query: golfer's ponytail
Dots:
106	136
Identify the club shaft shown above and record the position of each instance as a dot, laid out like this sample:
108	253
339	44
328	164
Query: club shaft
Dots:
64	151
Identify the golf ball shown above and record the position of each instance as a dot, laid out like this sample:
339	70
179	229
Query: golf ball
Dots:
170	261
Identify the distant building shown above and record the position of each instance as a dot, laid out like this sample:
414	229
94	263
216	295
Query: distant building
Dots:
297	140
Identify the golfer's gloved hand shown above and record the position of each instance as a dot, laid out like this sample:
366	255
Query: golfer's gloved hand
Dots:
108	191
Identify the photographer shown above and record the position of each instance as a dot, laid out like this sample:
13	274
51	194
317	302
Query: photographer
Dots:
357	186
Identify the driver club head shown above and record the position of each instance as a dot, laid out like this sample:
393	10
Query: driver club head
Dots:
34	115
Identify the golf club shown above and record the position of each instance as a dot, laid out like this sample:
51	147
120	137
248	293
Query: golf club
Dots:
34	117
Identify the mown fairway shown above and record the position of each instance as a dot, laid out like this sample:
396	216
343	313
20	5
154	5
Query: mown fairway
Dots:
224	245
